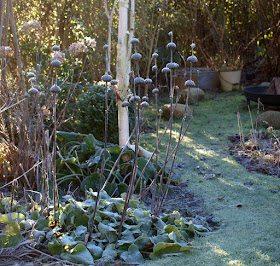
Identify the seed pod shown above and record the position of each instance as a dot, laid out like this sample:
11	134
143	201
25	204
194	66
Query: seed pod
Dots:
145	98
125	103
165	70
56	48
155	90
171	65
190	83
139	80
55	89
33	91
32	80
30	75
144	104
134	41
55	63
192	59
148	81
171	46
154	68
137	99
155	55
132	99
38	87
114	82
106	78
136	56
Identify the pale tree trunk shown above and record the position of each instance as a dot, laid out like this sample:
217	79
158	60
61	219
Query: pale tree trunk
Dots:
16	47
122	69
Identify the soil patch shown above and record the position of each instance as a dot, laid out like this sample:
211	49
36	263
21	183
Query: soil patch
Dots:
261	155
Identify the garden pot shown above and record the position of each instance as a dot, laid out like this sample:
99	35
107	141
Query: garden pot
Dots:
230	80
208	78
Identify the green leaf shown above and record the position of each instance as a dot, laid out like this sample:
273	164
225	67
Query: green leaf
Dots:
91	181
114	151
133	255
43	224
68	241
171	228
10	235
55	247
167	248
108	232
79	254
95	251
143	242
90	143
13	216
127	238
150	170
67	136
110	253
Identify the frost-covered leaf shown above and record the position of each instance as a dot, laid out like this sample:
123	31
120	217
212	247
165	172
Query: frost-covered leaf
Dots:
108	232
110	253
95	250
133	255
10	217
68	241
167	248
55	247
79	254
80	230
10	235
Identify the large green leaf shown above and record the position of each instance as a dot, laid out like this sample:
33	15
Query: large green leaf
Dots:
55	247
133	255
150	170
79	254
10	235
108	232
110	253
167	248
67	136
13	216
90	143
91	181
95	251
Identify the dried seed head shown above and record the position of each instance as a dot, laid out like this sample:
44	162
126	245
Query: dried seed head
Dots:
171	65
131	73
136	56
32	80
26	95
125	103
148	81
114	82
155	55
106	78
176	87
170	33
132	99
38	87
137	99
56	48
33	91
134	41
30	75
144	104
192	59
55	89
192	45
176	65
106	46
139	80
154	68
42	94
55	63
160	111
165	70
171	46
145	98
190	83
155	90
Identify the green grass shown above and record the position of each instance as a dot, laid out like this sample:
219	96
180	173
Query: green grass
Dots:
250	235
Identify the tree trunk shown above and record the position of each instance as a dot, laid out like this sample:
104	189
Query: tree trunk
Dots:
122	69
16	47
